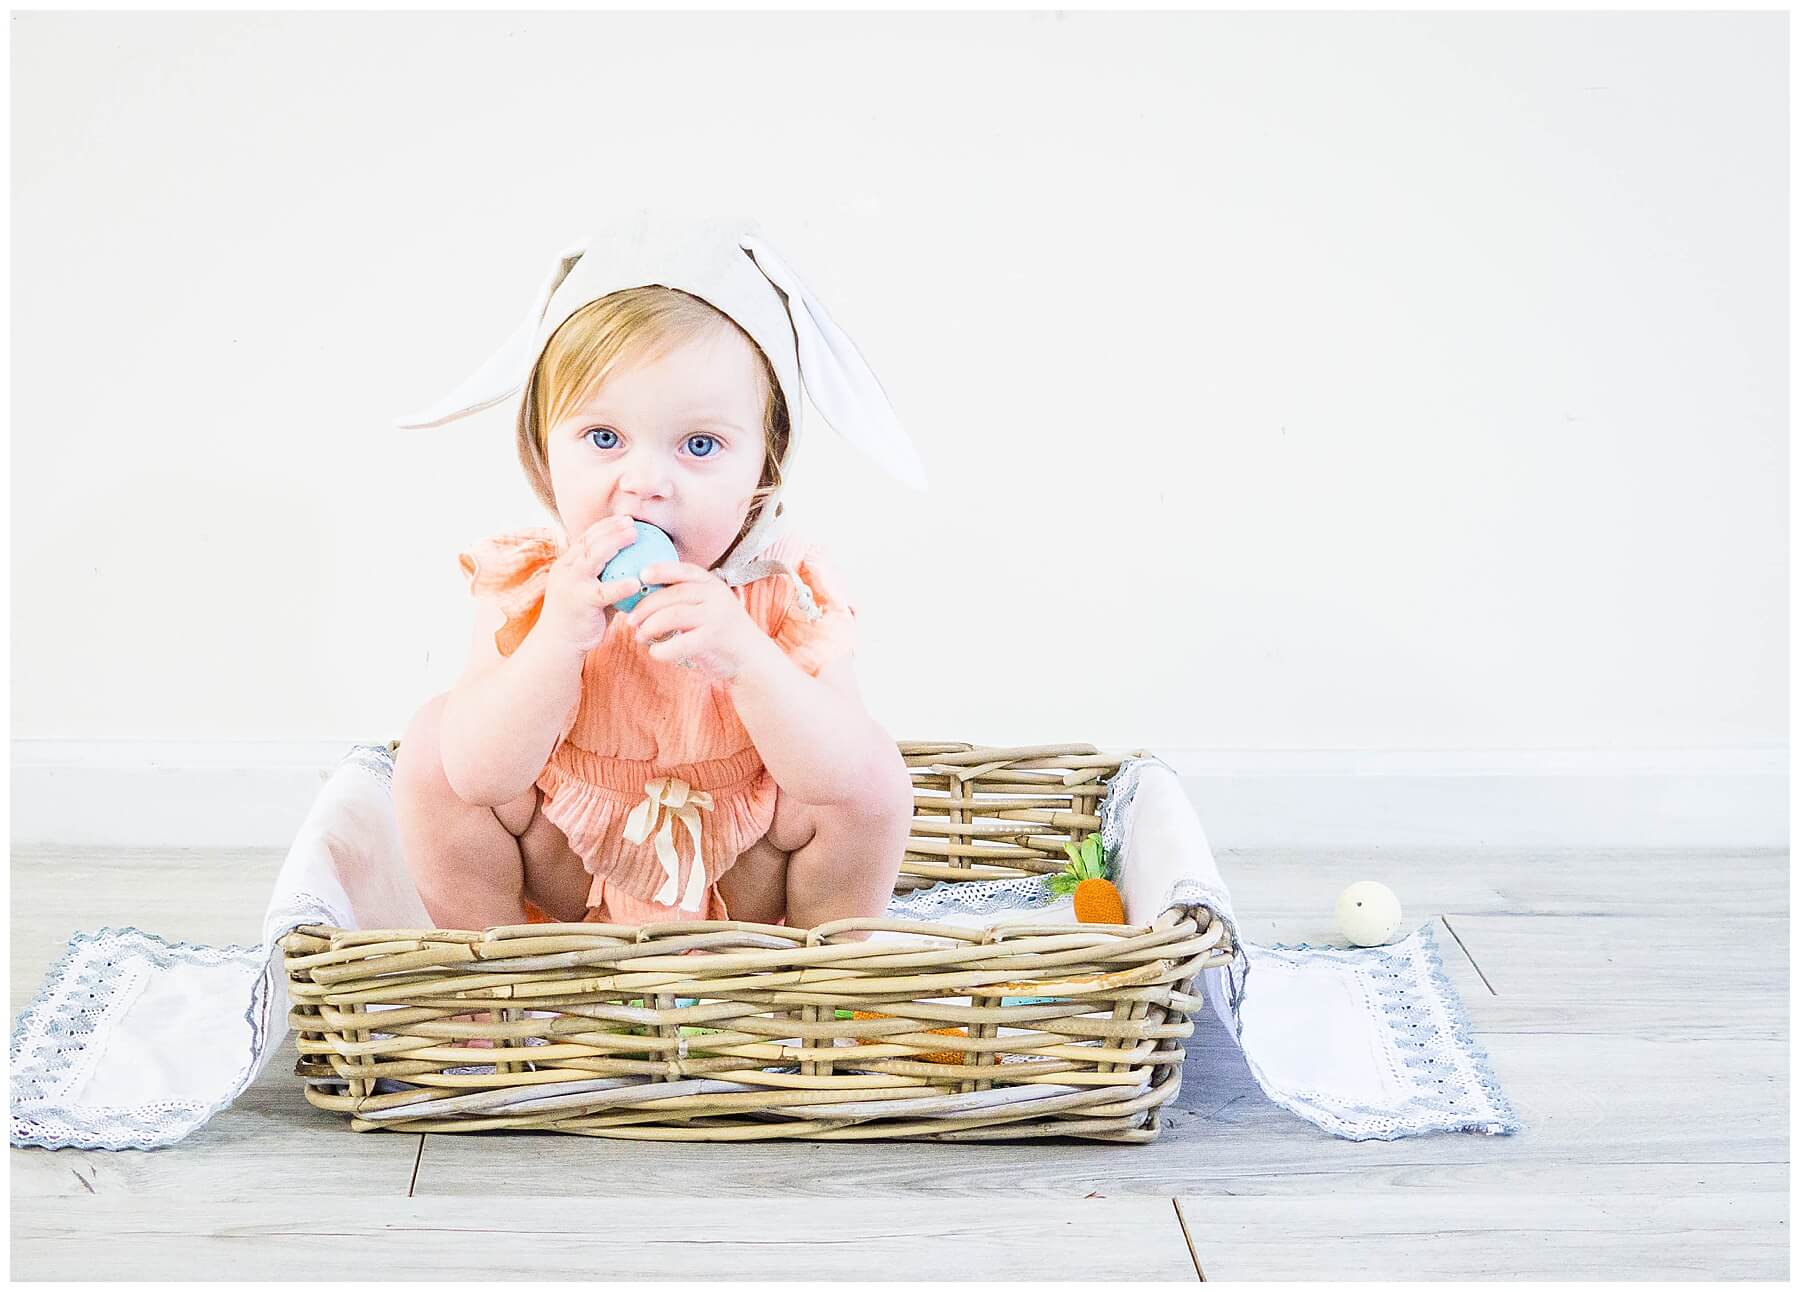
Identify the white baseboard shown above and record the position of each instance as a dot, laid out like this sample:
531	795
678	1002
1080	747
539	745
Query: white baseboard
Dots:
254	794
1697	798
167	794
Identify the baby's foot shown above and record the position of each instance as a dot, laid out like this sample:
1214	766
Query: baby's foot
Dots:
476	1042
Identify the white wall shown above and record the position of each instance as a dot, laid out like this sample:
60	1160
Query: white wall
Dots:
1334	383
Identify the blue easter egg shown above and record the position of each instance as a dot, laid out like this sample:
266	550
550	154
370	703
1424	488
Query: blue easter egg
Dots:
652	547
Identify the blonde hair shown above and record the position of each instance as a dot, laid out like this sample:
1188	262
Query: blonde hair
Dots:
636	324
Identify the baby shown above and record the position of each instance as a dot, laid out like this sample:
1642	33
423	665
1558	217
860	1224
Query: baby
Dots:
705	755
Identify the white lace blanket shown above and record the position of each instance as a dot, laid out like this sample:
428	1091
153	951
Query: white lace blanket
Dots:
1368	1044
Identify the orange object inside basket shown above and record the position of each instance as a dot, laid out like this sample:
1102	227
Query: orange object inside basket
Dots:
929	1056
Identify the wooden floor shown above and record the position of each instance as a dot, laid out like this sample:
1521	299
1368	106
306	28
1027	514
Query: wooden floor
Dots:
1634	1005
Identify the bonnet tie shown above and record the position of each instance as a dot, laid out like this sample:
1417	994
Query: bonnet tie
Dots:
738	573
666	800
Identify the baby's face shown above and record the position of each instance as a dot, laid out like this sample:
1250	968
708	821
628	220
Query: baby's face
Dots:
677	442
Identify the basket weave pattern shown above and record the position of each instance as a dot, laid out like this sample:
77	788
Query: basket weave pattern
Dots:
729	1030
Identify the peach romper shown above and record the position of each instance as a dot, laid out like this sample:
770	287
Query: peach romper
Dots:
653	754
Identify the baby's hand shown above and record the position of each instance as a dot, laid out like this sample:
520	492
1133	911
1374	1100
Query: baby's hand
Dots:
577	605
696	620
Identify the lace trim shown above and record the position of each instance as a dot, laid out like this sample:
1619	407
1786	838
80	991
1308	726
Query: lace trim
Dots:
975	897
91	984
378	759
1450	1078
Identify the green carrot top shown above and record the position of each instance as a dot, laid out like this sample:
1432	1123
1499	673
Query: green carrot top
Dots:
1087	860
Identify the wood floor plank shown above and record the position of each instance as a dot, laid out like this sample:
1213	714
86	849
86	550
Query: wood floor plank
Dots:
1278	1160
1599	1098
1565	1236
271	1141
1516	1177
1750	1018
1699	959
608	1239
1612	1106
1511	881
1629	976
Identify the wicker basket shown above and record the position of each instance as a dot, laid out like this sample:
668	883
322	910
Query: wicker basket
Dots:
728	1030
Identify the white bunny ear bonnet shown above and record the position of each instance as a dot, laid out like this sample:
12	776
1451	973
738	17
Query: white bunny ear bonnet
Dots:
728	264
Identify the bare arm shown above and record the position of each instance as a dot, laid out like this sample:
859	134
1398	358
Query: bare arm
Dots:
813	733
505	714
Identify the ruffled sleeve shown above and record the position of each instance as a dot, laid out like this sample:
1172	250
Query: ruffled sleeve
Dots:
813	642
513	569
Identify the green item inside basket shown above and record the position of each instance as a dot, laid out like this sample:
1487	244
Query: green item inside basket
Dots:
639	1003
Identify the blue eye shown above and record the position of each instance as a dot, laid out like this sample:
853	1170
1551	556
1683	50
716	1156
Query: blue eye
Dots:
601	430
697	453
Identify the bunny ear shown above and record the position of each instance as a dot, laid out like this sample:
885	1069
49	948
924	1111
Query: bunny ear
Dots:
506	369
836	377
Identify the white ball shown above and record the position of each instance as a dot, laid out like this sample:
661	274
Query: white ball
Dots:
1368	913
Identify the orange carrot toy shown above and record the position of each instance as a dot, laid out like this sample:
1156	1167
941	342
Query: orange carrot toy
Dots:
929	1056
1096	900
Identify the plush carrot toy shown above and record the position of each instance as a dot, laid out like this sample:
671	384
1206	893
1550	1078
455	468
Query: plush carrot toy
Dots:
1096	900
